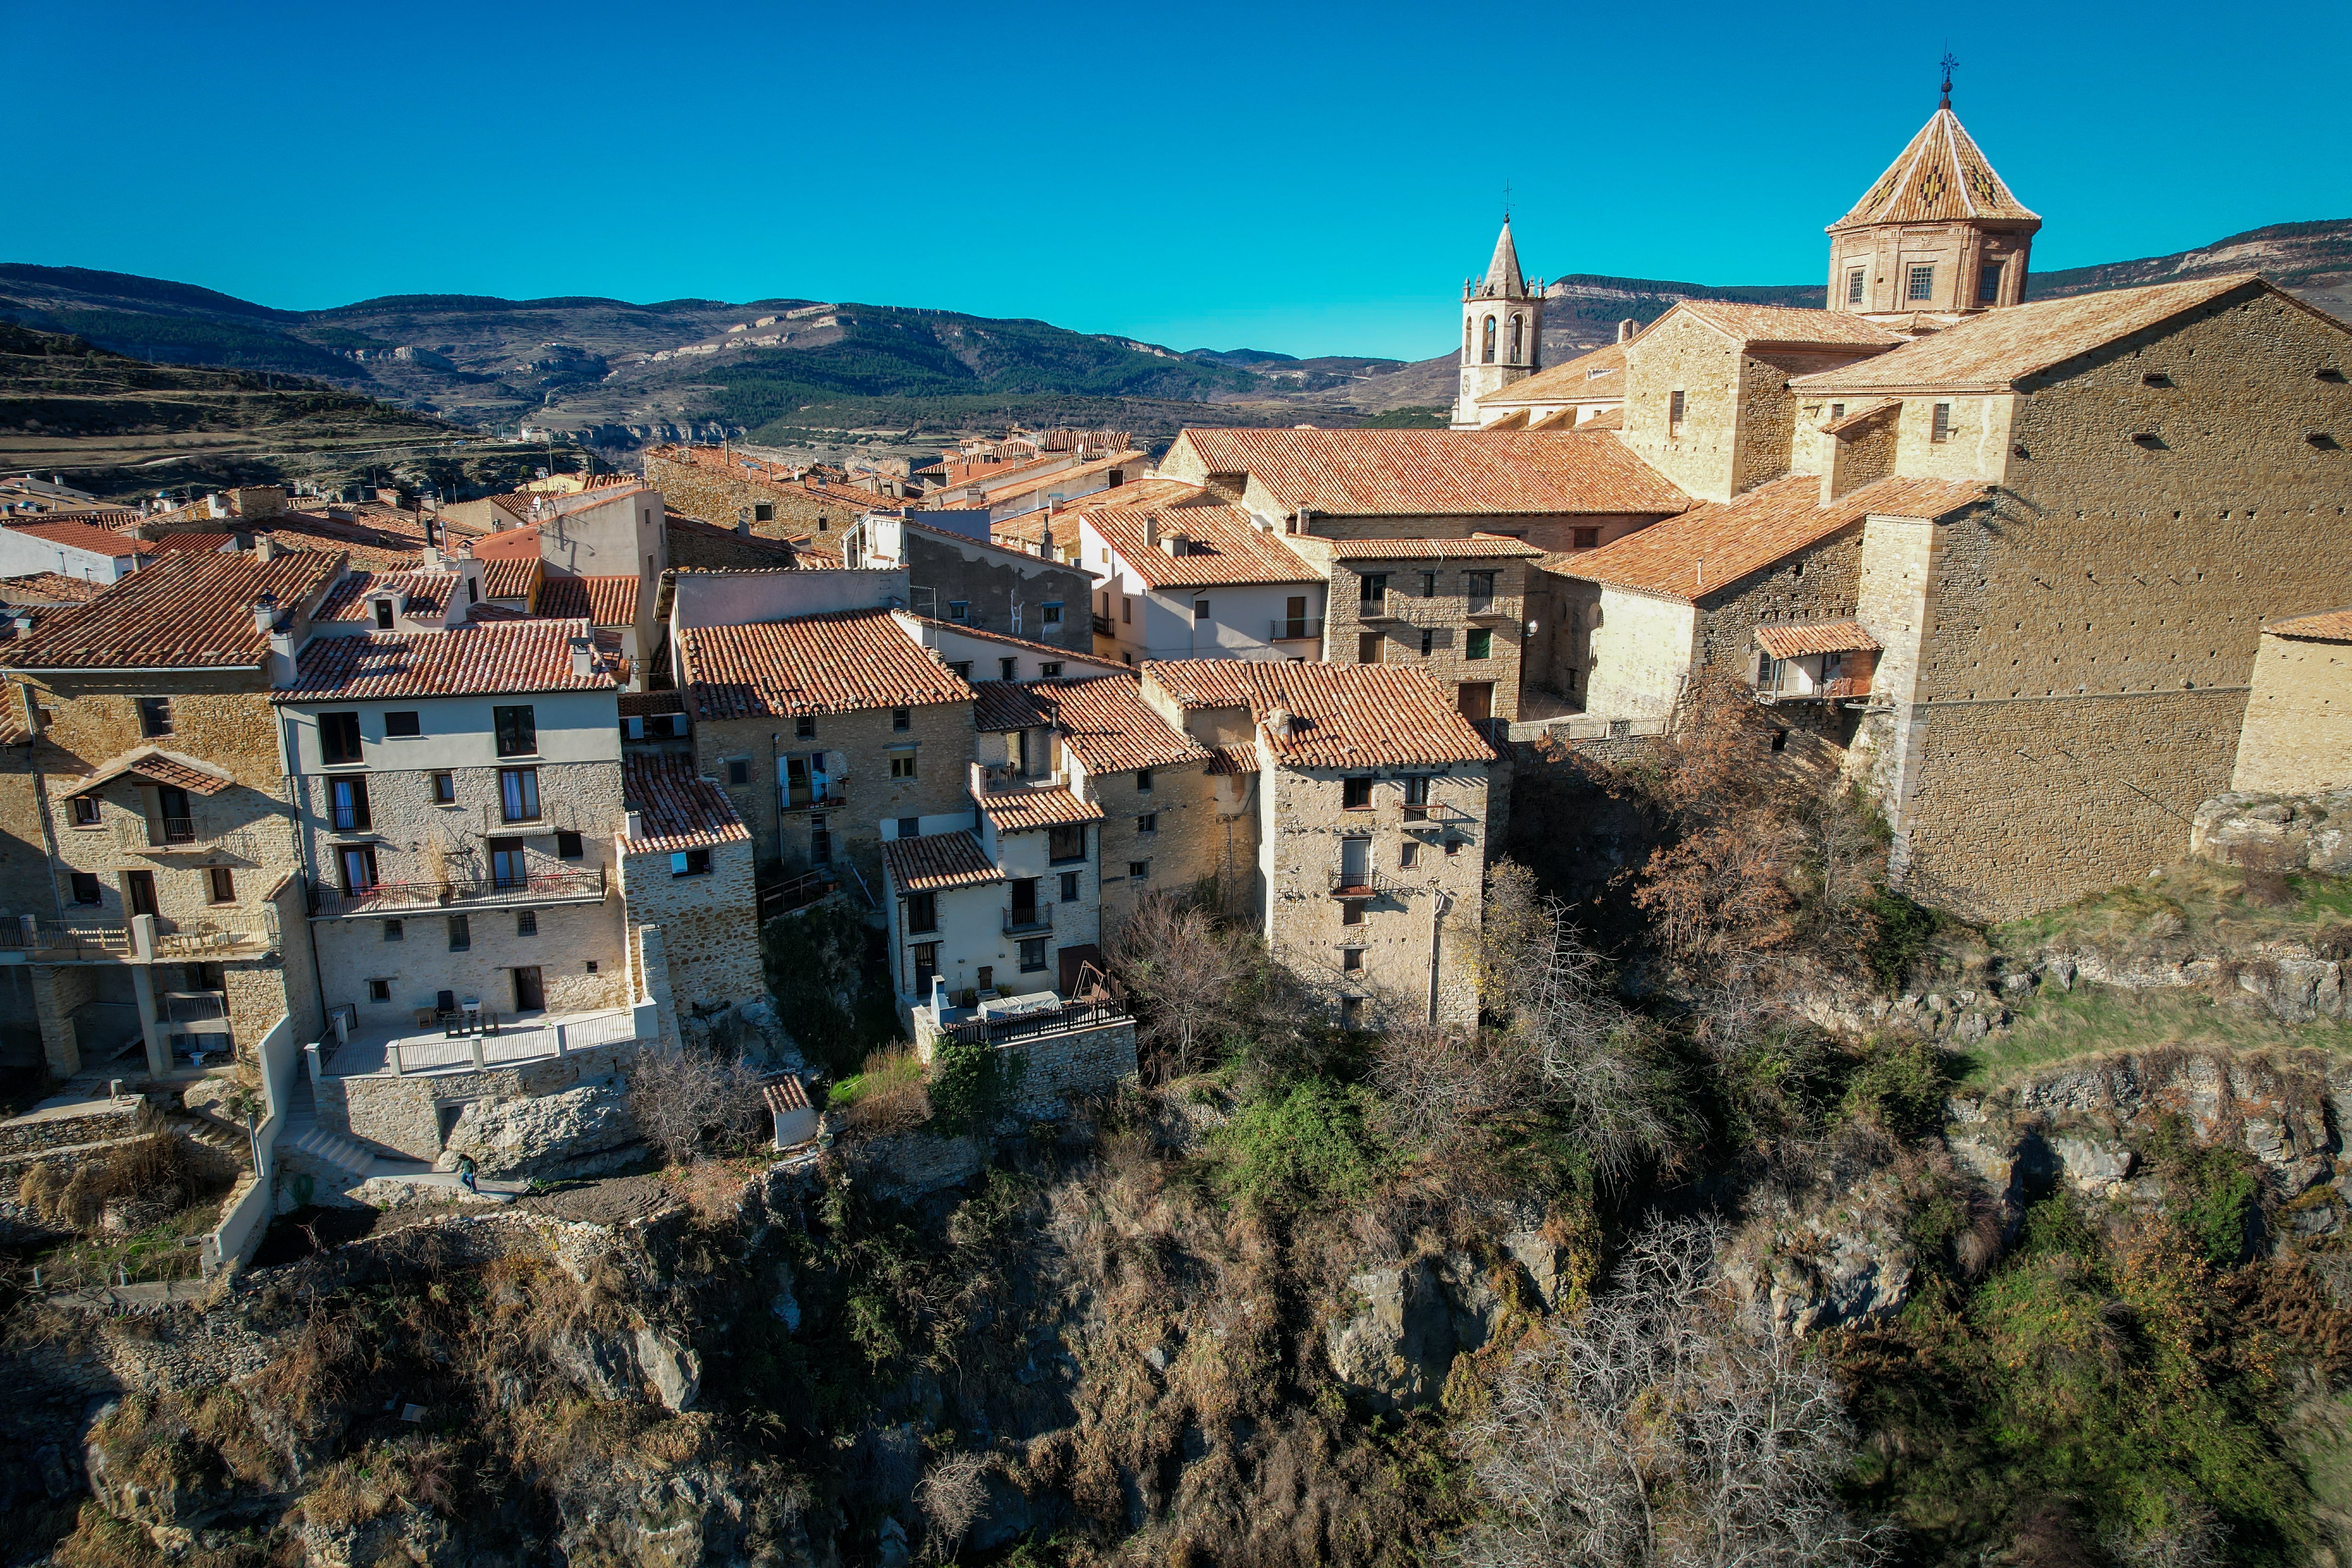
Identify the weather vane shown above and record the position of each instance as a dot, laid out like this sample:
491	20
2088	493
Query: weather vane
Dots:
1507	201
1947	63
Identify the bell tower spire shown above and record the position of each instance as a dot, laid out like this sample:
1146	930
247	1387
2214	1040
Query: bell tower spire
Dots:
1502	327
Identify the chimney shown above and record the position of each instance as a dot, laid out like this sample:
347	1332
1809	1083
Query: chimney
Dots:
1174	543
743	521
264	546
1625	330
264	608
637	828
433	558
584	657
1280	723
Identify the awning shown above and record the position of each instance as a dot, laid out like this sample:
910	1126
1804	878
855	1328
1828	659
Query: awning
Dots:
1818	637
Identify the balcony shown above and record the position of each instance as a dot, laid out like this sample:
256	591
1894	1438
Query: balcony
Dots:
41	941
1436	815
459	894
1491	608
1103	628
1030	921
1298	629
1387	606
1347	884
1839	688
181	835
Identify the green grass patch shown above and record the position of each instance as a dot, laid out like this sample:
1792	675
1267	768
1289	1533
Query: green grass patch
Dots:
2056	1026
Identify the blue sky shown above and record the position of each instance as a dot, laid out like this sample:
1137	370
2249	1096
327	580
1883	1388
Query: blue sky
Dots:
1308	179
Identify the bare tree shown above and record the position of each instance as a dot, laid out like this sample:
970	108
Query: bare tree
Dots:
1589	1049
1438	1086
1665	1430
1183	977
679	1097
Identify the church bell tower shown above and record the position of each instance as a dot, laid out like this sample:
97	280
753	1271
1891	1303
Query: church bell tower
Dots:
1502	330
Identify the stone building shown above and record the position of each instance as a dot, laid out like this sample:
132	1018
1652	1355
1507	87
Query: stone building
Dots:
1452	608
687	869
720	486
1372	797
2297	736
1186	575
968	581
171	910
1502	330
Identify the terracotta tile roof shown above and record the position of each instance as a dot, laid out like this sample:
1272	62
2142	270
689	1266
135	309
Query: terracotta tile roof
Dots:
2329	626
837	663
485	611
677	808
1050	805
1784	641
607	601
999	706
1478	547
1367	473
1233	761
1786	326
1941	177
1110	726
1517	419
159	766
373	546
82	536
186	611
1049	650
1087	470
505	577
643	704
193	542
1222	545
507	544
783	1093
1860	415
1714	545
695	545
515	504
2000	347
1600	374
48	588
350	600
937	861
1615	419
519	656
1342	715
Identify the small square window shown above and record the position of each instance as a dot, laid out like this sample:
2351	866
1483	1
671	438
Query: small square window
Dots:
691	863
962	668
85	811
445	789
1453	847
517	730
1032	955
1853	286
1407	853
1200	610
1478	643
805	727
1070	887
738	770
154	716
1143	781
1148	822
461	934
223	882
911	827
384	614
568	845
1367	648
1356	794
1008	668
379	990
960	609
1050	669
1352	959
404	724
592	966
396	931
1923	284
902	720
1139	870
902	765
85	888
1053	615
1587	539
526	923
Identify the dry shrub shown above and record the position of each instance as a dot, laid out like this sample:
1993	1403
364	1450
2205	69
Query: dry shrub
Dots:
713	1191
887	1095
409	1472
683	1098
1184	978
163	1166
2268	890
950	1496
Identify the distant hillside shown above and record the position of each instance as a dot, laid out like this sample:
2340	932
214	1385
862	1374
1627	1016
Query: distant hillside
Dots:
2312	260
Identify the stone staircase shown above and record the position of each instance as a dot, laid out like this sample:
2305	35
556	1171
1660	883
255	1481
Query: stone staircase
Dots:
344	1157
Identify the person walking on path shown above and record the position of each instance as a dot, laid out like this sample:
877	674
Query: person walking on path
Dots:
465	1174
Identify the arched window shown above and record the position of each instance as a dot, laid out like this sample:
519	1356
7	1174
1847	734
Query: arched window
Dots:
1466	340
1516	322
1489	354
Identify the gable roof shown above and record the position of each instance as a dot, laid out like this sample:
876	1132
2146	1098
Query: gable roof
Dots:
81	536
1478	547
1714	545
48	588
1222	545
511	577
603	601
350	600
2329	626
187	611
1599	375
1372	473
1941	177
836	663
937	861
1108	725
1342	715
157	765
1026	809
469	661
677	808
1787	326
999	706
374	543
1992	350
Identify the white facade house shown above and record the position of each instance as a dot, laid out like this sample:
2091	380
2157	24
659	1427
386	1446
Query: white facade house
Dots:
70	549
1194	577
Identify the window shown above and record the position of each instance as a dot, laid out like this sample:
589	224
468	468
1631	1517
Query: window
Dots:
1676	404
691	863
1477	643
902	720
1143	781
1487	350
1032	955
346	804
922	911
1351	1011
1356	794
1923	283
911	827
85	811
1070	880
517	730
568	846
461	934
509	866
526	923
1351	911
1453	847
1429	585
763	511
902	764
1478	586
1148	822
1367	648
379	990
1588	539
396	931
519	795
154	716
404	724
984	977
927	965
85	888
1200	610
1988	284
1837	410
1126	610
384	614
1853	286
1052	613
1065	841
805	727
1139	870
1352	959
1416	795
739	770
445	789
592	966
1372	587
962	668
1009	669
1407	853
1518	324
357	863
1050	668
1939	426
960	609
338	738
224	884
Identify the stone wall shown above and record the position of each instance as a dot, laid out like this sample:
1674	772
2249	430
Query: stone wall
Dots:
1633	653
1055	1069
2298	732
990	580
716	498
58	990
709	925
570	938
1205	832
402	1113
1444	617
95	1122
1701	455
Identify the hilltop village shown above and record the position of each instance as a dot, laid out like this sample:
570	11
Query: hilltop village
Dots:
409	809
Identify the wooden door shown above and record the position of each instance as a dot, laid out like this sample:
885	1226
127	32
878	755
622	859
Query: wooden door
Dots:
530	996
1478	701
139	892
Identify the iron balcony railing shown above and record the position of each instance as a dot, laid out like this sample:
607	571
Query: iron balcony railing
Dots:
1365	884
1839	688
1102	626
1387	606
181	834
797	894
1024	921
459	893
1297	628
1068	1019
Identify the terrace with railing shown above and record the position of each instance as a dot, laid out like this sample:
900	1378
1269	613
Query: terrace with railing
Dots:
461	893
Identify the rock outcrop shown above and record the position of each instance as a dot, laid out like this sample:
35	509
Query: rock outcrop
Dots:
1395	1344
2276	832
1824	1257
581	1132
